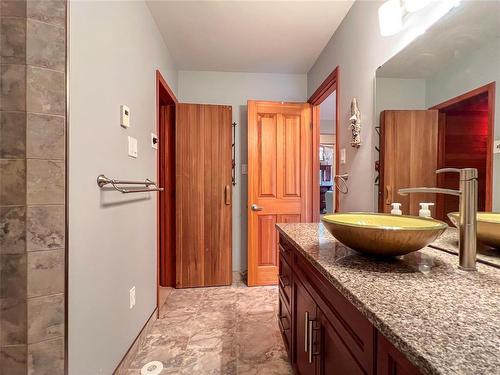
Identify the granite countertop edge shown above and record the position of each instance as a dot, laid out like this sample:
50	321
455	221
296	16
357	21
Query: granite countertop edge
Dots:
411	353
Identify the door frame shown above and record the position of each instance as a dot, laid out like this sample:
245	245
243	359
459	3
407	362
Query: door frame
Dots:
329	85
164	96
490	90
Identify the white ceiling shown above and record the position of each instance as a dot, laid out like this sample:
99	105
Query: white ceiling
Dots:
461	32
247	36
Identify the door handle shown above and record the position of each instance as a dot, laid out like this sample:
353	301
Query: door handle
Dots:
306	331
227	195
254	207
310	350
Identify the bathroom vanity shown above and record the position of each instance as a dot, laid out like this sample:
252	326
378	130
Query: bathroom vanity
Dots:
344	313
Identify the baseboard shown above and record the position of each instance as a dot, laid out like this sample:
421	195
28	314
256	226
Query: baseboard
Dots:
126	361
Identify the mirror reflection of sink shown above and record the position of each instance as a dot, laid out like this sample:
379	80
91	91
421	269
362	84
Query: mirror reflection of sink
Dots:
382	234
488	227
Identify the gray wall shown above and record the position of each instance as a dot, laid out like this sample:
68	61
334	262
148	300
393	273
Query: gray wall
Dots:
32	196
358	49
115	48
235	89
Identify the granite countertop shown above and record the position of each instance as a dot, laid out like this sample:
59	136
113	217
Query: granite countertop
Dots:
449	242
444	320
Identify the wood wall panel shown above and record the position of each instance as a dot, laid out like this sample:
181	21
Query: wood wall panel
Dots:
203	170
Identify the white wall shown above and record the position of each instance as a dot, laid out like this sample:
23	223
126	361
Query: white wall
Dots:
115	49
235	89
358	49
475	70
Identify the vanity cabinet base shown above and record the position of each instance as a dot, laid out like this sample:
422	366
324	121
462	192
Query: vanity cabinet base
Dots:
323	332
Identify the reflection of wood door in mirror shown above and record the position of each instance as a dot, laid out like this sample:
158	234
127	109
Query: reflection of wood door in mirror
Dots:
203	188
408	157
280	180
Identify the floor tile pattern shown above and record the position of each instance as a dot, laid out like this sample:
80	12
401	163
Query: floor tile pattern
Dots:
224	330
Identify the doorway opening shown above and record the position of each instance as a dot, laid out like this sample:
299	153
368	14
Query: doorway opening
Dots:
465	137
165	112
325	102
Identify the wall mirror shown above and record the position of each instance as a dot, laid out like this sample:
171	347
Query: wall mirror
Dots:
436	107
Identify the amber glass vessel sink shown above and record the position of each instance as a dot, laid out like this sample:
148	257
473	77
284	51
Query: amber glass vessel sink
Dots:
382	234
488	227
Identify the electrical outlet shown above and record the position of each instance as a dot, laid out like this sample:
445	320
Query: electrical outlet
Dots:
132	297
154	141
496	147
342	156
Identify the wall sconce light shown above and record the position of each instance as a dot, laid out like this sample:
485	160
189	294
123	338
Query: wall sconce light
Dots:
390	17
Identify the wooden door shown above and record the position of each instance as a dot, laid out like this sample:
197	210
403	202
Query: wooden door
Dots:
408	157
203	195
305	315
335	358
280	180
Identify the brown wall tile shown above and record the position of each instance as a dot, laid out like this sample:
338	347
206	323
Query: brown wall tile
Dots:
45	136
45	273
45	227
12	182
45	182
13	87
13	40
13	276
45	45
12	230
13	360
13	8
49	11
12	321
12	135
45	91
45	318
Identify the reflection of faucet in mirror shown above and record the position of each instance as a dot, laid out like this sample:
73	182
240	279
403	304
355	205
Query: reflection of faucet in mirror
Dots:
468	212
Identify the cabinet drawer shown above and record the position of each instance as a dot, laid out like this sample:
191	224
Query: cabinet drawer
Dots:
285	280
285	324
286	249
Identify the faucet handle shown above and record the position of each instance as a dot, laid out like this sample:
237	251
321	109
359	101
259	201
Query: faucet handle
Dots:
466	174
444	170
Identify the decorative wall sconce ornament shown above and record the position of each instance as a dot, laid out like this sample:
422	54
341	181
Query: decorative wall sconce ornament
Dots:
355	124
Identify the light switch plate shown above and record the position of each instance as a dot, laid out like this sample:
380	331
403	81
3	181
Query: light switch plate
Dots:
132	297
496	147
154	141
342	156
244	168
132	147
124	116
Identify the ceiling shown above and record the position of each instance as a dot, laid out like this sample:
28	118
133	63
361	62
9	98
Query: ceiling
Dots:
462	31
247	36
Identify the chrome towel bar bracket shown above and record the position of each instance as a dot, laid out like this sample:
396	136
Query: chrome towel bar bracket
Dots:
102	181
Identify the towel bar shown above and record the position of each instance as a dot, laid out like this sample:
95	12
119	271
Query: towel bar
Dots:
102	181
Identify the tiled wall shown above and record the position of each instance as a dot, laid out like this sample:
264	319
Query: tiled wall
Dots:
32	186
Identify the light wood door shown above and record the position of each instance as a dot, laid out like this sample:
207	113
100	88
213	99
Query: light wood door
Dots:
408	156
203	195
280	180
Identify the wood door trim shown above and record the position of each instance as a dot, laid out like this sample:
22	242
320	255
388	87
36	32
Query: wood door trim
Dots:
329	85
490	90
164	95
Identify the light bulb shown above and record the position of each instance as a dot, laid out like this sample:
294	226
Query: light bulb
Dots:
390	17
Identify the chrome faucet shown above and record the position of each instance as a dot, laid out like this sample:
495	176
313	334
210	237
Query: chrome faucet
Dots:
468	212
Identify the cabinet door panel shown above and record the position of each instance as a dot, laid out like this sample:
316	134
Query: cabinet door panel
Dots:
390	361
335	357
305	311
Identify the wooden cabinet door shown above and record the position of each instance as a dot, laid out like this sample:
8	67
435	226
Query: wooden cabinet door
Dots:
304	314
390	361
334	356
408	157
279	180
203	195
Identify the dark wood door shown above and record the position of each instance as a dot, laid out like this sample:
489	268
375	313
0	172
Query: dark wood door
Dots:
279	180
203	195
408	157
334	358
305	325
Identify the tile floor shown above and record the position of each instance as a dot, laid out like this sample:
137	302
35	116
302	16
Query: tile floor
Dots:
225	330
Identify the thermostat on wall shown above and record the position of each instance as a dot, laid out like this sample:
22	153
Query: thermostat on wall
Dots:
124	116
